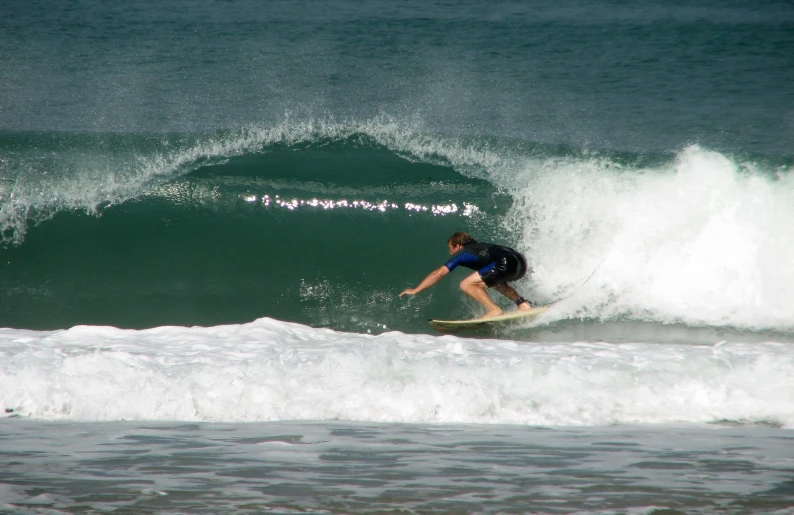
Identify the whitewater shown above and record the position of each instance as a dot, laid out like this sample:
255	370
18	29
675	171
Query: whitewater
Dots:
269	370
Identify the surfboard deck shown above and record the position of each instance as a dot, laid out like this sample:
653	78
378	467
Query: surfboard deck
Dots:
451	326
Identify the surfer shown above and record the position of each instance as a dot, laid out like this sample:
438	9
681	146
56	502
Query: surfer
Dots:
496	266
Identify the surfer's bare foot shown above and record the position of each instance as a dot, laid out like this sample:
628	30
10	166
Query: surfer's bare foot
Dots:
524	306
491	314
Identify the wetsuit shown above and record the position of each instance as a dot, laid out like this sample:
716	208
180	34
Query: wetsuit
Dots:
496	264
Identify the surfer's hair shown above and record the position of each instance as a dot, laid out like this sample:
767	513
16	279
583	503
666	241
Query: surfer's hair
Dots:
460	238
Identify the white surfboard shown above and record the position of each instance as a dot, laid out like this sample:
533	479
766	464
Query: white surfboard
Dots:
452	326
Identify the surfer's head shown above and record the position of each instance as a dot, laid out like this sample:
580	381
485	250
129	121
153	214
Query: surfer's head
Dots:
459	239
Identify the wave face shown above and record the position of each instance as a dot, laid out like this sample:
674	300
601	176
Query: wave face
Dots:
324	224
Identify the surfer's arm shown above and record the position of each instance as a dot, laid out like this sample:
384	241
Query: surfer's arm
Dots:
431	279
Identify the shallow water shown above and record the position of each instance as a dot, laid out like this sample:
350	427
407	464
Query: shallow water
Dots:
344	467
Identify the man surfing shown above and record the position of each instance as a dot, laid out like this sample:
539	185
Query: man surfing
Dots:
496	266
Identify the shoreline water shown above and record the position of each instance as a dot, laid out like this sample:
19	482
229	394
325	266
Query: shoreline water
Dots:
360	467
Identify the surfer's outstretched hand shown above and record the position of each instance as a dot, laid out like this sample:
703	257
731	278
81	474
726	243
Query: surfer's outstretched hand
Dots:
431	279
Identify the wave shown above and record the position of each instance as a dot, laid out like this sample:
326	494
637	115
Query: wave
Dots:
322	222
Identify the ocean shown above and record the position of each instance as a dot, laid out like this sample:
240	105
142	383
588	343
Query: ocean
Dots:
208	209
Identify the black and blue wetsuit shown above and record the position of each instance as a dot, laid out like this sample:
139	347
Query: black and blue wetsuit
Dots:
496	264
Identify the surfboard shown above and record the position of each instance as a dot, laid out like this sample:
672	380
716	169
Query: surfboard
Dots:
452	326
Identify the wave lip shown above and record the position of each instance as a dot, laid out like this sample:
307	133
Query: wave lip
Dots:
46	173
269	370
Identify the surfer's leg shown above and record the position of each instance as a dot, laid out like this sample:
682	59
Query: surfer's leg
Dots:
474	287
511	293
510	268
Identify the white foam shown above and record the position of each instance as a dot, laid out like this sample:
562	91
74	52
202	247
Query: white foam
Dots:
269	370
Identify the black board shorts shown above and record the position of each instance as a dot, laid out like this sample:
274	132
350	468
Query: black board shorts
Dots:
508	268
